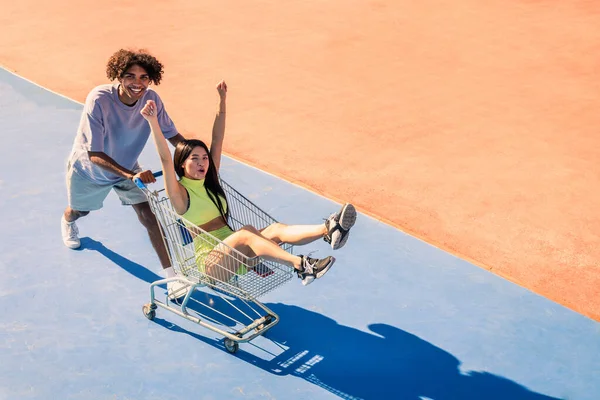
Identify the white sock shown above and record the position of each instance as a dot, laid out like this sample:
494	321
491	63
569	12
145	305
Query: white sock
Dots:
170	272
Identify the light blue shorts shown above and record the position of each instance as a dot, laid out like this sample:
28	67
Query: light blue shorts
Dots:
85	195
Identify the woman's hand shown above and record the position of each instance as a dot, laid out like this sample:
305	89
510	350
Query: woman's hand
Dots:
222	89
149	111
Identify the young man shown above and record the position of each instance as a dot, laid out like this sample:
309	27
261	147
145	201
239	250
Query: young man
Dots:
111	135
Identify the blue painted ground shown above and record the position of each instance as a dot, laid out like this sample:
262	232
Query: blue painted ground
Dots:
394	319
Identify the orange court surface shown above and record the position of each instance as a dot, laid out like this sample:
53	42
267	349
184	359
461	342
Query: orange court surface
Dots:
471	125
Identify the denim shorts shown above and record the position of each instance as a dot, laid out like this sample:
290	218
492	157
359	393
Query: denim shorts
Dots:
85	195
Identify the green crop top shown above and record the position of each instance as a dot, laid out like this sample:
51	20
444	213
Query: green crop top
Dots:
201	208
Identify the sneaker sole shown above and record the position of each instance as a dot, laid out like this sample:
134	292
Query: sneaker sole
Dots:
73	246
347	217
324	270
347	220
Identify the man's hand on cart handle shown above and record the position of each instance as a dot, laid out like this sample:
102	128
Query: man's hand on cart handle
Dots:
145	176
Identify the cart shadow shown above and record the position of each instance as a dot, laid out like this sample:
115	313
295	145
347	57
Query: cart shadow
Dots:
386	362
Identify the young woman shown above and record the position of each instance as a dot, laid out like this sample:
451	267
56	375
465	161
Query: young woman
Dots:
192	185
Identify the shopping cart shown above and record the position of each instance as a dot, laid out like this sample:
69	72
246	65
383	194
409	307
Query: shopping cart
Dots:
236	314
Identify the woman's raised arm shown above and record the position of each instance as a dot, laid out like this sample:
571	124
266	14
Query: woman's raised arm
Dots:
175	191
218	132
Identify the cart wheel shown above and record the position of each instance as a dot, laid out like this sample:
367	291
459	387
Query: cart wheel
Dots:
231	346
148	311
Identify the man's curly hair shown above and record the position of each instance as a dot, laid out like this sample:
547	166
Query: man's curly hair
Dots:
123	59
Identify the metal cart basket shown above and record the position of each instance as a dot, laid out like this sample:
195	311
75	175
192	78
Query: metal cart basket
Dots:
237	315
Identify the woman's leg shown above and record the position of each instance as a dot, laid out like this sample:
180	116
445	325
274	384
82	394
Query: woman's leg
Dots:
222	262
335	230
294	234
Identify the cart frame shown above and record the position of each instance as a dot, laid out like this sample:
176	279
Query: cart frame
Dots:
244	285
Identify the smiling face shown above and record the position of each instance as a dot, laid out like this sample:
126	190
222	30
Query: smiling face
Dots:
197	163
134	83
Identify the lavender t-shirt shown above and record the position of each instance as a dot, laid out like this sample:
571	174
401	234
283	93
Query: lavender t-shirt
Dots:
111	127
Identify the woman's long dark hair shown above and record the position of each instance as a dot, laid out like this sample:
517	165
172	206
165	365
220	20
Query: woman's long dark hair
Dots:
211	181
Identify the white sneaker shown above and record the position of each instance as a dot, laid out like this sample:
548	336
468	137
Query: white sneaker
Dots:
177	290
70	233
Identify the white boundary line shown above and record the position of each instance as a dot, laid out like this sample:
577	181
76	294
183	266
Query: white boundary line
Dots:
40	86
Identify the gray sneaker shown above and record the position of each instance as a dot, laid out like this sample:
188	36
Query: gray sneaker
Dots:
313	268
338	226
70	233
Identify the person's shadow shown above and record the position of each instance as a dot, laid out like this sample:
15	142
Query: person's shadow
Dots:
386	363
135	269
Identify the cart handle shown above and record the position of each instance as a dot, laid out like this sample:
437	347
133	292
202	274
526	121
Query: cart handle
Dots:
141	184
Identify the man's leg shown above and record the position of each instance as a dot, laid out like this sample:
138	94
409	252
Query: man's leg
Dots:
175	289
130	194
149	221
84	196
73	215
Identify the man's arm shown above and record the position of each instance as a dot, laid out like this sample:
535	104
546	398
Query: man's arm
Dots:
176	139
105	162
